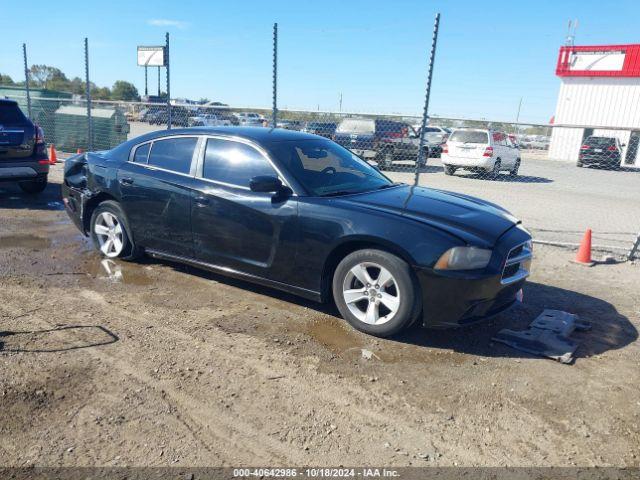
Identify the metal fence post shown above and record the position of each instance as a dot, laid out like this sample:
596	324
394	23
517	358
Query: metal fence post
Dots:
26	79
166	52
634	250
425	112
88	94
274	114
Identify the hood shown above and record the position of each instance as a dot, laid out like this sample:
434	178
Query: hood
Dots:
473	220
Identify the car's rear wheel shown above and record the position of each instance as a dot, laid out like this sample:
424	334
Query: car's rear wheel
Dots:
514	171
449	169
495	172
376	292
33	186
579	164
110	232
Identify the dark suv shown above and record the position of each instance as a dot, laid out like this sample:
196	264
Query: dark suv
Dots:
602	151
23	153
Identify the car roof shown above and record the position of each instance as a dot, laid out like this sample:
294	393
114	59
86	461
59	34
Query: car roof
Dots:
6	101
259	135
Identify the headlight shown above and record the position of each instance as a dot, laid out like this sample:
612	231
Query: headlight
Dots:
464	258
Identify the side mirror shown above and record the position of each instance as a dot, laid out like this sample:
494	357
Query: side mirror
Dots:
265	184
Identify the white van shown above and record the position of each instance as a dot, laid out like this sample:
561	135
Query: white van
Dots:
480	151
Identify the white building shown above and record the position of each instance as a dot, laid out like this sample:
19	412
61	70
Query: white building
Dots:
599	95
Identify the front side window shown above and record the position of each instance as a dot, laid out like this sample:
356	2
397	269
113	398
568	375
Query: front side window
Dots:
173	154
325	168
234	163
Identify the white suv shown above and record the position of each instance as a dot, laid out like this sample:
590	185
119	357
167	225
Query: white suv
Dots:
480	151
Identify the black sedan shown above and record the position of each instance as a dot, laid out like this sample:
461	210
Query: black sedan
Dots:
300	213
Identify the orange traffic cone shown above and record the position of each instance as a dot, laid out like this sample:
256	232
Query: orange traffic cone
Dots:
53	159
584	252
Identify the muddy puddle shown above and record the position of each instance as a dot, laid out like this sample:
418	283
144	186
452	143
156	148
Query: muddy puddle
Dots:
339	338
117	272
24	241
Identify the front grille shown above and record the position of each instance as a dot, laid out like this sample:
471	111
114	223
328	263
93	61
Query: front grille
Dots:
516	266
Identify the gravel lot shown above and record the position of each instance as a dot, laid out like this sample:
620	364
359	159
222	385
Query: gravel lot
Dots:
157	364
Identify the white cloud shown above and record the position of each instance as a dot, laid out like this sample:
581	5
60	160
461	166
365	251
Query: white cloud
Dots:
165	22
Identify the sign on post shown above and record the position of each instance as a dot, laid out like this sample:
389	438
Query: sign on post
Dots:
152	56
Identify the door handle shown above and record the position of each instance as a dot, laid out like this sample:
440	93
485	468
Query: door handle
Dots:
202	201
126	181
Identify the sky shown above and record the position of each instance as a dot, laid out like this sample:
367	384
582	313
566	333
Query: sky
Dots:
374	53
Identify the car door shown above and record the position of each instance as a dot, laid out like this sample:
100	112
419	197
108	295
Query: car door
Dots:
156	189
236	228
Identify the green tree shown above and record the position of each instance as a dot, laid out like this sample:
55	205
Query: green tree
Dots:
6	80
51	78
126	91
100	93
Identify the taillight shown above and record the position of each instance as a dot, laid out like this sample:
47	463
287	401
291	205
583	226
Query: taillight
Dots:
488	152
612	148
585	147
445	148
39	134
40	148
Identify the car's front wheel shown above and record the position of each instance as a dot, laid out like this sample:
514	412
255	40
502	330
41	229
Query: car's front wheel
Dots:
449	169
110	232
375	292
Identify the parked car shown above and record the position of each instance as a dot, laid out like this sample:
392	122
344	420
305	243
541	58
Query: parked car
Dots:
302	214
179	116
480	151
209	120
289	124
435	137
250	119
602	151
386	141
23	153
535	142
324	129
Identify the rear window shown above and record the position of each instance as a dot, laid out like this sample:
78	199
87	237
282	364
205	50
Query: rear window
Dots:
469	136
10	114
598	141
356	126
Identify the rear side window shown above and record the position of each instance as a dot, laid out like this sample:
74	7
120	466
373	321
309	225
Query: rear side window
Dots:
469	136
234	163
141	153
10	114
173	154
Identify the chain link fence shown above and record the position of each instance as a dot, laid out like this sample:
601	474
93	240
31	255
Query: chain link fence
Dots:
559	179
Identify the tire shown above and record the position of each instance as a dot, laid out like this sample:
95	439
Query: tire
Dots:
495	172
449	169
514	171
33	186
119	230
579	164
385	157
396	304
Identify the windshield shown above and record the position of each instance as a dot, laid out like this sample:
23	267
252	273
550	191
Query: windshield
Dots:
325	168
469	136
356	126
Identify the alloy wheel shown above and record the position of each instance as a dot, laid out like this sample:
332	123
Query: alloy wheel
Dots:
109	233
371	293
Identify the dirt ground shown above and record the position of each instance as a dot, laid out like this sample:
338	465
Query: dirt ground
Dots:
150	363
